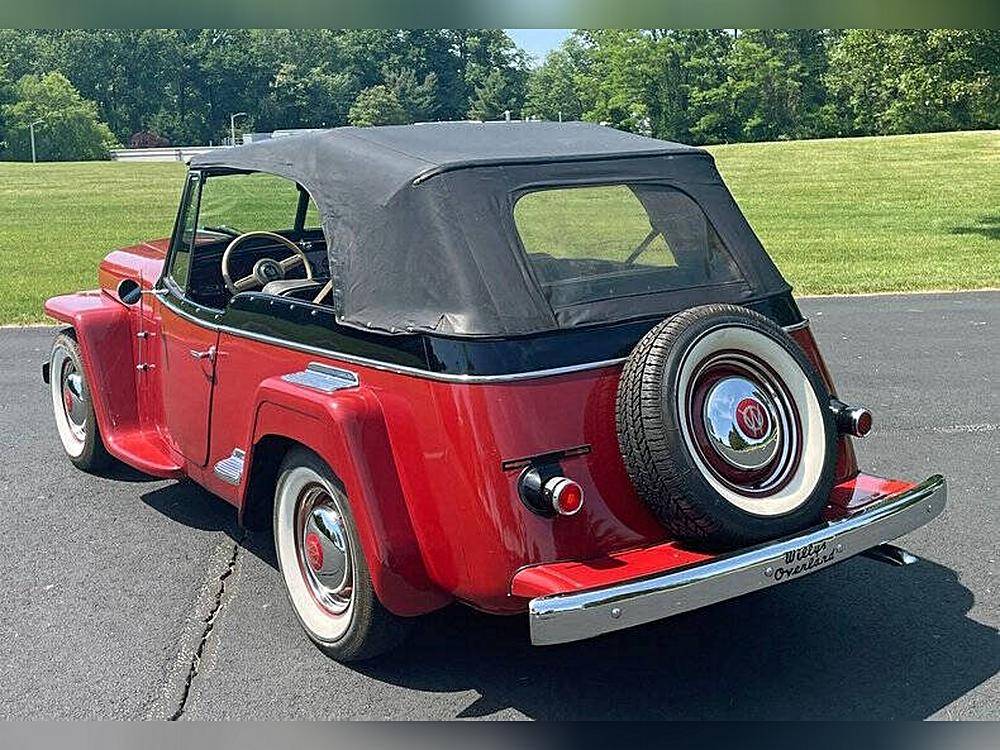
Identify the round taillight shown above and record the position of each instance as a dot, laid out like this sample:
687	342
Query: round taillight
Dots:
565	495
863	423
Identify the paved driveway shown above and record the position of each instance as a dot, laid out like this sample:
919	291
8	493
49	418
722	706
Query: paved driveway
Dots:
134	598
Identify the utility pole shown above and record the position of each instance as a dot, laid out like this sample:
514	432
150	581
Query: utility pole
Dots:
31	127
232	127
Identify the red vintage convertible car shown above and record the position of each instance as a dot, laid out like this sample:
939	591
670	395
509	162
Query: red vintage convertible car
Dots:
532	367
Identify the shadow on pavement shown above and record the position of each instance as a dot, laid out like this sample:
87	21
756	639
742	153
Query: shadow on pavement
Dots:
860	641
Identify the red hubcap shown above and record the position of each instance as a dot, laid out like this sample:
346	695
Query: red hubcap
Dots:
753	418
314	551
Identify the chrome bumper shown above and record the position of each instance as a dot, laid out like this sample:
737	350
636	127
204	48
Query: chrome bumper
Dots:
571	617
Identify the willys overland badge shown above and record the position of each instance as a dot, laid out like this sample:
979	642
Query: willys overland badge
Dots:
808	557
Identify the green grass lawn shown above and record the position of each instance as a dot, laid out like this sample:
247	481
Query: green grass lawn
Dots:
850	215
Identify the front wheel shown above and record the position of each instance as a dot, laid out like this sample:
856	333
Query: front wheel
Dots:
324	568
73	406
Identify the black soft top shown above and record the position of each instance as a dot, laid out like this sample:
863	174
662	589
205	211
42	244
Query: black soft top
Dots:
419	224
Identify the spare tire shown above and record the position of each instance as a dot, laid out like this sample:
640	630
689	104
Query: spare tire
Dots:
725	428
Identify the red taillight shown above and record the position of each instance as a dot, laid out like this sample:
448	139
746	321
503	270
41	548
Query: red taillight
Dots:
548	493
565	495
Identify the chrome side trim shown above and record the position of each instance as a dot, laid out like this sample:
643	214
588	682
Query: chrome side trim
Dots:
403	369
804	323
570	617
325	378
230	470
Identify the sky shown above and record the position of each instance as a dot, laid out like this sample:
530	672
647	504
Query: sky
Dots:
538	41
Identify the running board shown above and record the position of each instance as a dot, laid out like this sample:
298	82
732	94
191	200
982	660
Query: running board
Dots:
230	470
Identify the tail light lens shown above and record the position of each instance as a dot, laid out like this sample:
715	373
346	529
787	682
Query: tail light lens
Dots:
565	495
547	492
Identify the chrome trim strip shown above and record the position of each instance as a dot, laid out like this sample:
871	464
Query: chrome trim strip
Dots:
804	323
570	617
404	369
230	469
325	378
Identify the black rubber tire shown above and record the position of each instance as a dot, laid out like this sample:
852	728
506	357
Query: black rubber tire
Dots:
94	458
657	458
373	630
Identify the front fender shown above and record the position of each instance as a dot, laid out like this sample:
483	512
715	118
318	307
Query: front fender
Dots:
347	430
103	331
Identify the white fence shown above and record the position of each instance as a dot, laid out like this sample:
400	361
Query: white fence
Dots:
172	153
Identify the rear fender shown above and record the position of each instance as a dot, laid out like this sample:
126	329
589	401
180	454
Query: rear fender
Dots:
347	430
103	330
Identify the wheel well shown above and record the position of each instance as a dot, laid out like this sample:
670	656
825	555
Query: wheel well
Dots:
258	504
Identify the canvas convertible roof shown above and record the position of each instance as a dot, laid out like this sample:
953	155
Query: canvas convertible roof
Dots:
419	218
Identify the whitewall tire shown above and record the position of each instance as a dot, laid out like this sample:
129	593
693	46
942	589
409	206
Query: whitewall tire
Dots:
725	428
323	565
73	406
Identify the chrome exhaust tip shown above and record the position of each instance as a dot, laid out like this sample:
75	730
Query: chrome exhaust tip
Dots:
891	555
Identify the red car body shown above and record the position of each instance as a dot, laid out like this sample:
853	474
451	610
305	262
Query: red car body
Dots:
430	461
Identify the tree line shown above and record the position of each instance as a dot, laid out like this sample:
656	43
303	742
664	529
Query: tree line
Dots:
89	90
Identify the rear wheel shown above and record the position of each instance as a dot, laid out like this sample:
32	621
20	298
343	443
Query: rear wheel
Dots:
725	427
73	406
323	565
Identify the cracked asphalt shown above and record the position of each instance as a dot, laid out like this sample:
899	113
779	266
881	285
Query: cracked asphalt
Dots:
127	597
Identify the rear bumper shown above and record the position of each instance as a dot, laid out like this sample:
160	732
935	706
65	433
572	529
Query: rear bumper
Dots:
575	616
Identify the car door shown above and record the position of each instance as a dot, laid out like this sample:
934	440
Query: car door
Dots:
189	341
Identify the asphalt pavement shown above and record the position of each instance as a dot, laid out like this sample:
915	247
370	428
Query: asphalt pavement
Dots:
127	597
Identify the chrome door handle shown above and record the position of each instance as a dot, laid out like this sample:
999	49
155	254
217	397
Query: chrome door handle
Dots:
208	354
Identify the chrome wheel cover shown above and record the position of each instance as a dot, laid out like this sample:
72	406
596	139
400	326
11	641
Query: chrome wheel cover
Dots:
324	550
767	460
745	424
315	553
69	402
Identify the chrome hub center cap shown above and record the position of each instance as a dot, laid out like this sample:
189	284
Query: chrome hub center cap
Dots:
741	423
325	553
73	401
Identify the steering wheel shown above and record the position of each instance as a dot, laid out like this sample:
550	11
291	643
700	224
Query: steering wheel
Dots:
265	269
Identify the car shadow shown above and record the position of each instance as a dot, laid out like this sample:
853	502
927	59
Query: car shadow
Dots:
986	226
861	640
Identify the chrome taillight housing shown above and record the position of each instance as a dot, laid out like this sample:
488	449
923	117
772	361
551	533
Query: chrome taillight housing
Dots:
545	491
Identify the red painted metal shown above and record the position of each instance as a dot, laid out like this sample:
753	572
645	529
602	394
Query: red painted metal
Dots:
105	330
420	459
847	462
186	374
607	570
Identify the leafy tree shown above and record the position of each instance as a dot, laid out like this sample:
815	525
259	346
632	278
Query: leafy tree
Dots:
772	88
692	85
555	88
70	130
377	105
493	98
494	73
418	99
915	80
311	98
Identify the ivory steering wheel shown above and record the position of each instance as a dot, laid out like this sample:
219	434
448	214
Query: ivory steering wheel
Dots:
266	269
